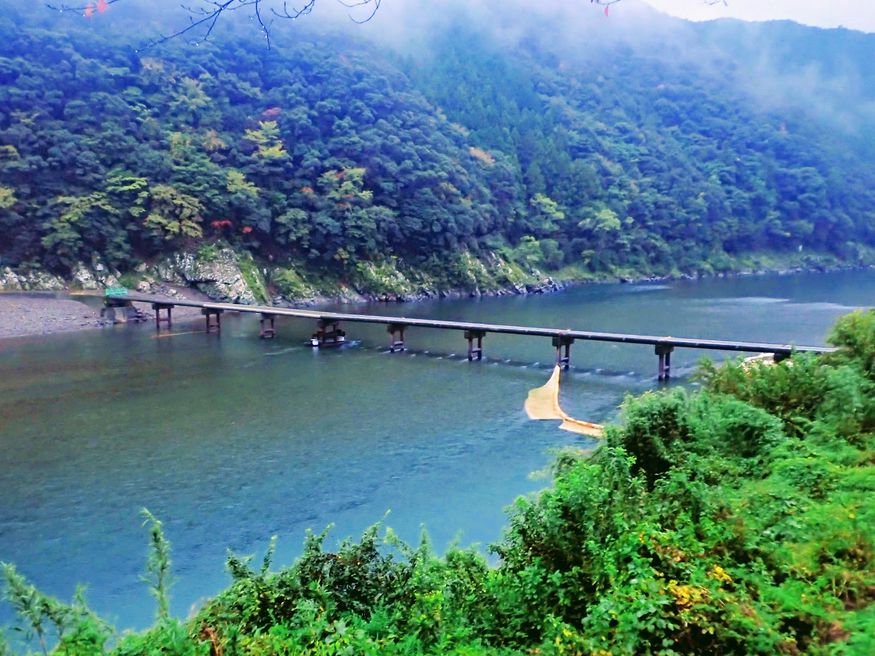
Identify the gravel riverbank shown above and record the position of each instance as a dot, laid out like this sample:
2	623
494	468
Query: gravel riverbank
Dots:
30	314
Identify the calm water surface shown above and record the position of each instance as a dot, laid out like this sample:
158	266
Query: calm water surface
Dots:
231	439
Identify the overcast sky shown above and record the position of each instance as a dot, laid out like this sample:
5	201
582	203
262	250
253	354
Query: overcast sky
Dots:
854	14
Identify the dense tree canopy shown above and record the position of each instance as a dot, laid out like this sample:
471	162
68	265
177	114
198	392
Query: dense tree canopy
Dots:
330	153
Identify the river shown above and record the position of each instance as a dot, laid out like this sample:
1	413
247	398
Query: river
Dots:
232	439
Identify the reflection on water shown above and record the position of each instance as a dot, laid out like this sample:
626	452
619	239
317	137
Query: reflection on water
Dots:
233	439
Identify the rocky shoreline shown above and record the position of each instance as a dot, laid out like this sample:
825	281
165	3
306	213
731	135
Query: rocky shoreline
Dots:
35	313
225	276
24	311
548	286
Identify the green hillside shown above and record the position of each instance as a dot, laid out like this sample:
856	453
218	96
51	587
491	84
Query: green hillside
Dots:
472	165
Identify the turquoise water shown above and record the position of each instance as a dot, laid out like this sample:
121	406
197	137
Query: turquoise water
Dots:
231	439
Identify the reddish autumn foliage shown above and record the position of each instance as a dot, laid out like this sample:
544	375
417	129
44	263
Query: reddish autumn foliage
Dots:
271	113
247	229
218	225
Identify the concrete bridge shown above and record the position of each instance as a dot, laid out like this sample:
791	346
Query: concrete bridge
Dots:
329	332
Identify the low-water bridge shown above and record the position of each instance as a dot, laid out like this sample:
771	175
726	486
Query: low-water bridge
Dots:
329	333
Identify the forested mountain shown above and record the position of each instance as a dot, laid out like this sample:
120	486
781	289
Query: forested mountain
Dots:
473	160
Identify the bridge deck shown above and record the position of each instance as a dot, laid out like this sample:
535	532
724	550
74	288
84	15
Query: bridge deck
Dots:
653	340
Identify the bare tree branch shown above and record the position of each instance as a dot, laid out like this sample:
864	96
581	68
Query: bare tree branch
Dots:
360	3
295	13
203	17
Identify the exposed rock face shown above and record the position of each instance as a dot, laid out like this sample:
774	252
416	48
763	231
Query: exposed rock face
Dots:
222	275
219	278
9	281
83	278
33	281
97	276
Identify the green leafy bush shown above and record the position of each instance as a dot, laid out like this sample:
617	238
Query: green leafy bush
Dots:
855	335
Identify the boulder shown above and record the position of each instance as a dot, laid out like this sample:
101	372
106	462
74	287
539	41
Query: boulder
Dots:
146	285
83	278
9	281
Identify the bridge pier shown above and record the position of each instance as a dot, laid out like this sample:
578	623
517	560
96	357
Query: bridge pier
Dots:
475	351
328	333
560	342
125	307
396	344
209	313
664	369
157	307
268	327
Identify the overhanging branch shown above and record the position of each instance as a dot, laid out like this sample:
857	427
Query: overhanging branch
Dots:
205	14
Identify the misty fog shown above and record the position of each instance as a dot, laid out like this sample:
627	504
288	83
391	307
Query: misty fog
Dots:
833	82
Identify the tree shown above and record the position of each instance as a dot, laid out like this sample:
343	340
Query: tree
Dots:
173	214
84	224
